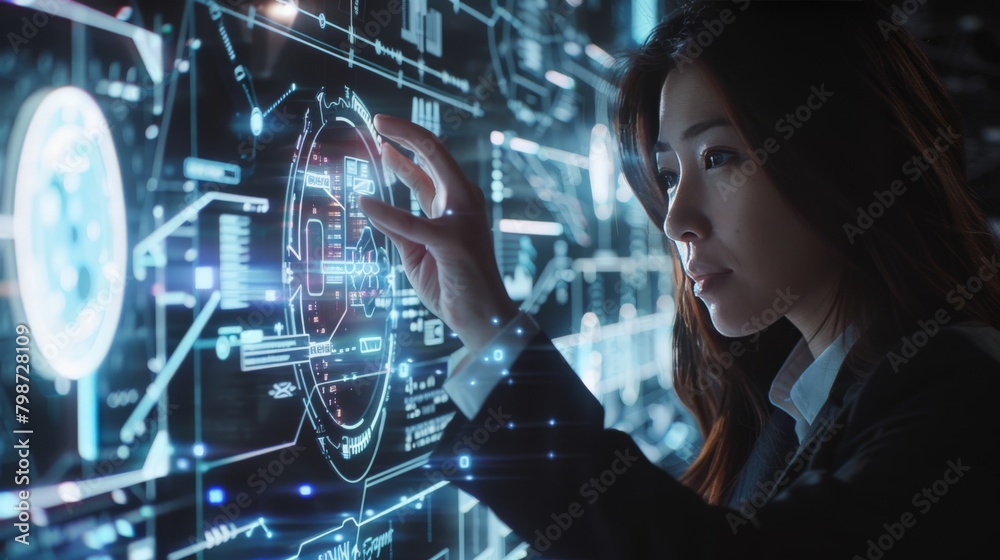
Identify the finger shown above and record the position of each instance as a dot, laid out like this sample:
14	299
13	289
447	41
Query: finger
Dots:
393	220
428	146
412	176
411	253
412	145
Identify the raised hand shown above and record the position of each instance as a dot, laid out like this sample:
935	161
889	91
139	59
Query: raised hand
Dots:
447	256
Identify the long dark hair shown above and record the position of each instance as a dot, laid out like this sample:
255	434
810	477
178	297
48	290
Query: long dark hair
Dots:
878	170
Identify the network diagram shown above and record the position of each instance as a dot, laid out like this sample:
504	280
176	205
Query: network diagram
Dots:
225	358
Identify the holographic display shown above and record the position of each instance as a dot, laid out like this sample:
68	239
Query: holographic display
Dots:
206	348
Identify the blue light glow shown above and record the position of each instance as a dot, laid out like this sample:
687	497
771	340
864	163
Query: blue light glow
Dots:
216	495
644	17
204	278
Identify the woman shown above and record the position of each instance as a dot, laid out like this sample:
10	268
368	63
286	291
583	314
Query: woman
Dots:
837	295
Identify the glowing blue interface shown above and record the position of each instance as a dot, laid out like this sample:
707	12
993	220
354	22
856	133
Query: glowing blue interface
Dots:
206	348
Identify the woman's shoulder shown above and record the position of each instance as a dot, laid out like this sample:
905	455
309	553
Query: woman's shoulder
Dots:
957	363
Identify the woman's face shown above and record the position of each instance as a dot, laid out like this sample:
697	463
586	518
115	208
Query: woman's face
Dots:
752	259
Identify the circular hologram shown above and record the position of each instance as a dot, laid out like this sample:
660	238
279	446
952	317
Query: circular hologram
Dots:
69	229
338	282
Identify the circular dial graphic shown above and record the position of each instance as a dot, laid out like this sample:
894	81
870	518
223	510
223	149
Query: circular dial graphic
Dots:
338	283
69	228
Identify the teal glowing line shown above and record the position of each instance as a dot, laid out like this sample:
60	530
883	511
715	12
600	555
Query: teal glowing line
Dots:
86	394
159	385
143	249
398	79
410	500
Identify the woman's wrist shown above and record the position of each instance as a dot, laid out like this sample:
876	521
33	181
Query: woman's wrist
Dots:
475	337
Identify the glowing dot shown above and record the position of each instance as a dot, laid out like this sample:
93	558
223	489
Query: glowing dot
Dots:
118	496
496	138
552	455
198	450
222	348
552	421
68	492
124	528
204	279
305	490
464	461
256	121
216	495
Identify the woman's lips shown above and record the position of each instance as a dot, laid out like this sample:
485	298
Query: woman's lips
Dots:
707	283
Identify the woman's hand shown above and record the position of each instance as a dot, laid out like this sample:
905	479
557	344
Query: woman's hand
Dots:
448	256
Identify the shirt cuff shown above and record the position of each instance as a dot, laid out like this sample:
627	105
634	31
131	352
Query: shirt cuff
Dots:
471	378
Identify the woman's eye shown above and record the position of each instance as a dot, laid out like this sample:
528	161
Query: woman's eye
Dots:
667	179
716	159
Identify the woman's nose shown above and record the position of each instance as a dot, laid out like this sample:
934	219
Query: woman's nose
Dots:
686	220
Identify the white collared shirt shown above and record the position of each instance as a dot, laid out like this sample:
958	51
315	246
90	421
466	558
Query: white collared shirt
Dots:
803	384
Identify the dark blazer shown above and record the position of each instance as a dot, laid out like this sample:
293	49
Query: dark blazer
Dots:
898	464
